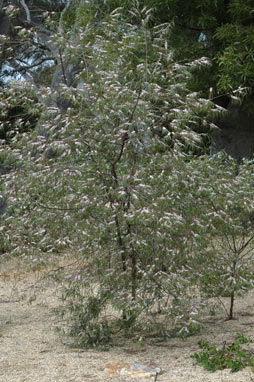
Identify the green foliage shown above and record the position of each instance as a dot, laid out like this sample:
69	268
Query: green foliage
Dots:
4	239
220	30
88	325
228	357
230	270
106	195
235	62
8	161
19	112
192	329
93	334
113	179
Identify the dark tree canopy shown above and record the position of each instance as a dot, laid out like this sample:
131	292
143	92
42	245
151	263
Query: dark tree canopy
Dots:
25	46
221	30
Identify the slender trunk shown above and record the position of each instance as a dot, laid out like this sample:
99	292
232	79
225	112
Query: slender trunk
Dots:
121	244
133	257
232	294
123	255
232	300
133	275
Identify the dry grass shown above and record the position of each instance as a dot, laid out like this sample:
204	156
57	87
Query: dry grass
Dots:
31	351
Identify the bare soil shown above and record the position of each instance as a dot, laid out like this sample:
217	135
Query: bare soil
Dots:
32	351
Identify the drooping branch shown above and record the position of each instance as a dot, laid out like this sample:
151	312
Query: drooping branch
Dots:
60	28
62	67
28	67
27	11
125	136
135	106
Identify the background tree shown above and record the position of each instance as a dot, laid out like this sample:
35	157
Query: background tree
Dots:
221	30
26	45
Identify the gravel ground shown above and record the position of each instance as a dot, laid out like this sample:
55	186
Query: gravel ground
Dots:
32	351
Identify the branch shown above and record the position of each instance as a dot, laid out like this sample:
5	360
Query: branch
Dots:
28	16
135	106
121	243
246	244
62	67
125	136
60	29
21	69
57	208
193	28
222	304
228	95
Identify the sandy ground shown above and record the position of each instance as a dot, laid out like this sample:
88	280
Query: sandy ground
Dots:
32	351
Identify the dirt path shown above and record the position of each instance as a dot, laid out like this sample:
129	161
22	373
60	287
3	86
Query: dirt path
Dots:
31	351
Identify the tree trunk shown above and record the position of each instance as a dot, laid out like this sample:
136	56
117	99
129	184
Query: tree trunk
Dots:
232	300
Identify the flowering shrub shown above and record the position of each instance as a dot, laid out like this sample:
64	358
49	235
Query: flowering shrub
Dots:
111	179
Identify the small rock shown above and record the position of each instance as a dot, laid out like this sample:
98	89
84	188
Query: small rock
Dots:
144	371
135	370
115	367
